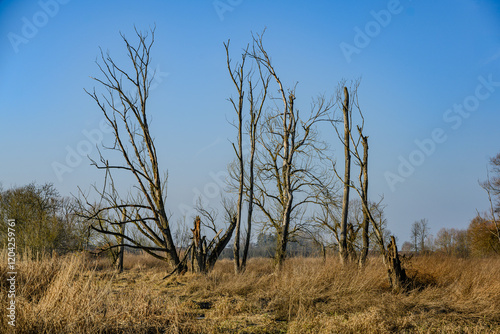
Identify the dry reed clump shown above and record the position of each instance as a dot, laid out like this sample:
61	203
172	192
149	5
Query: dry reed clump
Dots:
306	296
65	295
36	272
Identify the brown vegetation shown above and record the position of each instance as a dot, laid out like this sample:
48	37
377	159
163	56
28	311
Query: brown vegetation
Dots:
75	294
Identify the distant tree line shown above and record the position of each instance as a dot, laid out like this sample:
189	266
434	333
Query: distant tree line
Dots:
481	238
44	220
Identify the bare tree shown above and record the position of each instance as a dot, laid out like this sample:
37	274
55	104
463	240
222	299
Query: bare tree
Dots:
348	233
287	177
424	234
343	250
238	76
495	179
452	242
245	183
204	254
492	188
256	107
352	149
124	106
419	234
415	235
363	179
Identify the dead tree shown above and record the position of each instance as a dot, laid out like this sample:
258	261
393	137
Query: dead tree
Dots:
124	106
256	107
245	181
287	167
363	180
343	249
207	253
352	150
238	77
199	249
396	273
204	255
350	145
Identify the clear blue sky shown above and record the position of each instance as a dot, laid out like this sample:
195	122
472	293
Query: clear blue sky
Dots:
418	66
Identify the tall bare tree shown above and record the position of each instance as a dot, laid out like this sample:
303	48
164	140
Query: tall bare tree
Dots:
288	175
256	108
356	148
363	179
124	105
240	77
351	146
343	249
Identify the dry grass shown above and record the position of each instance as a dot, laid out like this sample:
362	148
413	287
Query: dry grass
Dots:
74	295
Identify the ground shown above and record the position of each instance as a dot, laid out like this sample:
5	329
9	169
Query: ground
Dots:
75	294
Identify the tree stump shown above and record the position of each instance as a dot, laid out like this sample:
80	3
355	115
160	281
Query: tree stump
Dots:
200	248
397	275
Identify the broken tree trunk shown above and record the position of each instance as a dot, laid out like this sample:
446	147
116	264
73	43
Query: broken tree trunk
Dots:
363	179
343	250
199	248
397	275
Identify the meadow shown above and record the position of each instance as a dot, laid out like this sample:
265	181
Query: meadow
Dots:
78	294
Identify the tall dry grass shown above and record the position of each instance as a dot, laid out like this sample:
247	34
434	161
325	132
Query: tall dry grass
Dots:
72	294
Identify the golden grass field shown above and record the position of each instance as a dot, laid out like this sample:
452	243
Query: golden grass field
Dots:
73	294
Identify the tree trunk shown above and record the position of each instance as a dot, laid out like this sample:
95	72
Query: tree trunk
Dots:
236	249
121	249
347	179
283	237
364	192
214	255
397	275
199	254
288	150
323	252
170	249
250	210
